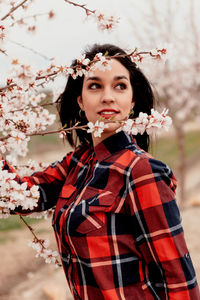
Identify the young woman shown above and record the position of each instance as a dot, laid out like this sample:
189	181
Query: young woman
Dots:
116	221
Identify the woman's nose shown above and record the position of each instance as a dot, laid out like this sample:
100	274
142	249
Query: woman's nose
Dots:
107	100
107	97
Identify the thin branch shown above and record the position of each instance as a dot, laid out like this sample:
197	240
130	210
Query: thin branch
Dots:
29	17
48	132
4	52
83	127
35	236
83	6
29	227
13	9
37	78
136	54
30	49
37	106
58	130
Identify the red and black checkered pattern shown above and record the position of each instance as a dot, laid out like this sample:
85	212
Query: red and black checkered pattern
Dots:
117	224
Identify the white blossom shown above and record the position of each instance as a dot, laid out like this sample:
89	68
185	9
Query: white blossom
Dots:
97	128
104	21
49	255
40	246
149	123
3	33
3	146
68	71
141	122
83	61
31	167
48	214
126	126
62	134
4	210
101	62
23	76
35	245
11	159
14	194
36	99
157	120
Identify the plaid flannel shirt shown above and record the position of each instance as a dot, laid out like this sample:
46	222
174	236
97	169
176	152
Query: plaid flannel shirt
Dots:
117	224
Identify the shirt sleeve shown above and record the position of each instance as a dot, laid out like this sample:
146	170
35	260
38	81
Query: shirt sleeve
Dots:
50	182
168	270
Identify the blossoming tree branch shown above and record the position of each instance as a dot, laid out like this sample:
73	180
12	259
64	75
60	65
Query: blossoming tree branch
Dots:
24	113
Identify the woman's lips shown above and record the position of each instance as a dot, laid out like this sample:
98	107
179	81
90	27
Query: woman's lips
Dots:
107	114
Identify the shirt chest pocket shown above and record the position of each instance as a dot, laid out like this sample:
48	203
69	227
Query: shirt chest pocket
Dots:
66	197
94	206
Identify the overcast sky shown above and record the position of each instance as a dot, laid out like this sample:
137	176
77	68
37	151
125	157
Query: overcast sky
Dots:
65	36
68	33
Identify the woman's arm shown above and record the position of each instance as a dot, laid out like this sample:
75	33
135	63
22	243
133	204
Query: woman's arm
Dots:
158	231
50	182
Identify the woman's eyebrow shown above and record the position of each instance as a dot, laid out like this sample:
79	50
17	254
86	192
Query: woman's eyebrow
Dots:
115	78
93	78
120	77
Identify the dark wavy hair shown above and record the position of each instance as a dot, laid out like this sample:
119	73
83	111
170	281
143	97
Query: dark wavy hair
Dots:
68	107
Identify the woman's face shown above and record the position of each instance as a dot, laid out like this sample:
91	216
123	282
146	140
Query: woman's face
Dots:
106	94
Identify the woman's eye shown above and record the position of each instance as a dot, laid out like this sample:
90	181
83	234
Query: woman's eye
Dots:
121	86
94	86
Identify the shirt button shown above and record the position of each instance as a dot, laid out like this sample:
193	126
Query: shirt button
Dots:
187	255
68	258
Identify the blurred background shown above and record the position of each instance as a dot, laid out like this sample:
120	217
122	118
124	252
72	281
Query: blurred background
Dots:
146	25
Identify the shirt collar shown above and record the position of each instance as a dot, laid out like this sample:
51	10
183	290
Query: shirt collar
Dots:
113	144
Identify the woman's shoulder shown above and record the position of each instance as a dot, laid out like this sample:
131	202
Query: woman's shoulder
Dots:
146	158
144	165
148	167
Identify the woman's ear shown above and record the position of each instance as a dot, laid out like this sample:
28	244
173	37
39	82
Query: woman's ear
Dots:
80	102
132	109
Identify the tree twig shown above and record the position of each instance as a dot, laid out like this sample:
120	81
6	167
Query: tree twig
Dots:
29	17
29	227
37	106
4	52
48	132
13	9
83	6
78	65
35	237
30	49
